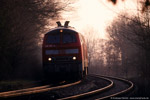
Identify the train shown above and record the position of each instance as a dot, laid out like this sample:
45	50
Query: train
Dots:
64	53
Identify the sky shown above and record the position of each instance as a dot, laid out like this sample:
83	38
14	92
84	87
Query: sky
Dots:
96	14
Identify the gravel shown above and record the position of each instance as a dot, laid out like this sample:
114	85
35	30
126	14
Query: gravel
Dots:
88	84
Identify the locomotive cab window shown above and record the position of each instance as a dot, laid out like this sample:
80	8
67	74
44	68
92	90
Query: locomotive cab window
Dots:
69	38
53	38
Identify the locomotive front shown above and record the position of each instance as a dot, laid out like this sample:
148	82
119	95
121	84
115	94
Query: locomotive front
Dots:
62	53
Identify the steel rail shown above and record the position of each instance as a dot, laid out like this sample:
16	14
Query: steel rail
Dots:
22	90
121	92
34	90
91	92
102	89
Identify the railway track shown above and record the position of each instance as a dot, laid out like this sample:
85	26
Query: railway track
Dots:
118	87
33	90
111	87
121	88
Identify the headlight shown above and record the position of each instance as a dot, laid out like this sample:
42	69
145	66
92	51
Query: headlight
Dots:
74	58
49	59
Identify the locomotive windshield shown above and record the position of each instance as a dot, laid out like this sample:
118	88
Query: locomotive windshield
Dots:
56	37
53	38
69	38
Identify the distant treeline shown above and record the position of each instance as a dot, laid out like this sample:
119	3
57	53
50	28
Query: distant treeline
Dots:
127	52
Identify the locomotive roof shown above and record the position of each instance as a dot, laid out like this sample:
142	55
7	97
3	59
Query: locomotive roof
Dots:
63	28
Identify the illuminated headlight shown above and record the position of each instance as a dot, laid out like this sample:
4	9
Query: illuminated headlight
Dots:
49	59
74	58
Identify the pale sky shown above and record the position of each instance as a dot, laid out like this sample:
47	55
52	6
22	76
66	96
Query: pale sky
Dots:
96	14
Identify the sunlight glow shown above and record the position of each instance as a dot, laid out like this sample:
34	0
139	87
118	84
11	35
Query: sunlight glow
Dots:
96	14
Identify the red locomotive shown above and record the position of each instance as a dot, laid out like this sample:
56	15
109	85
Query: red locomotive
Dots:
64	53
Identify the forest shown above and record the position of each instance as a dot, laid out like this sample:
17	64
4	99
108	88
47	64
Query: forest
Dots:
21	27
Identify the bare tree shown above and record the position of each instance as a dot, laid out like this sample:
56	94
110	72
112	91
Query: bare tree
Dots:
21	25
95	48
90	40
130	32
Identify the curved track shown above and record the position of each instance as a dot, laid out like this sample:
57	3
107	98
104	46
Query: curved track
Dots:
117	87
91	92
121	87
